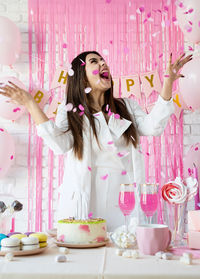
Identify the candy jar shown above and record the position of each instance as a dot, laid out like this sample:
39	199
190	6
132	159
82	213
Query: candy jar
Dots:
8	206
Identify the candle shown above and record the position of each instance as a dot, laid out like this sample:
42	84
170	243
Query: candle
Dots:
196	197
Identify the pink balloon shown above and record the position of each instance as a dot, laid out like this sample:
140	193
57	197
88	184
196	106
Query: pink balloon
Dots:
7	151
188	17
9	110
10	41
190	85
191	158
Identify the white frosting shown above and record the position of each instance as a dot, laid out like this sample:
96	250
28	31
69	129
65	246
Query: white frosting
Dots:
31	240
30	247
81	233
10	242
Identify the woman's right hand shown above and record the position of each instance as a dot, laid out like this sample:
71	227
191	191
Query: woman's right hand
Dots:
16	94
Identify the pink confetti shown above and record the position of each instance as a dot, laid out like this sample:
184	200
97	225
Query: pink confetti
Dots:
190	48
89	168
16	109
64	45
123	173
166	75
109	113
196	148
181	5
141	9
189	171
110	142
161	55
173	18
119	154
117	116
2	130
147	153
61	238
145	20
190	22
90	215
81	113
166	8
95	72
190	11
11	157
75	109
149	15
111	42
104	177
81	107
108	1
188	28
107	107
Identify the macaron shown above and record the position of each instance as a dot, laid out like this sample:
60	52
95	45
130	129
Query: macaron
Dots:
2	236
42	237
30	243
28	233
19	236
11	233
12	243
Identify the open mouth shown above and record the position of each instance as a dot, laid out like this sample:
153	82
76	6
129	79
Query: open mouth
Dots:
104	75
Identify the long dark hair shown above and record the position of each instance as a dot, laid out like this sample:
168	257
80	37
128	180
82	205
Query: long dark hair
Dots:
76	85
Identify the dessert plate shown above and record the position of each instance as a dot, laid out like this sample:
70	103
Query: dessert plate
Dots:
52	232
89	245
24	253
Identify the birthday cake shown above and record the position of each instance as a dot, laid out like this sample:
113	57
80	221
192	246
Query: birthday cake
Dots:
81	231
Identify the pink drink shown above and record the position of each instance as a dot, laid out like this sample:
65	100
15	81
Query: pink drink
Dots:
149	203
126	202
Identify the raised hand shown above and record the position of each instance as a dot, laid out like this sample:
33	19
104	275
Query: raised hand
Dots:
172	71
16	94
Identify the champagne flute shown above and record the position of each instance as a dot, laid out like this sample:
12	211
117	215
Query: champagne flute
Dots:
126	201
149	199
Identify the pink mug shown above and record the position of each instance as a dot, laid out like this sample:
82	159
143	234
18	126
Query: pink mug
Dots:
152	238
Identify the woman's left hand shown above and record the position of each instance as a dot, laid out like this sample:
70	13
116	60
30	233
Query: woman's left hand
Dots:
172	70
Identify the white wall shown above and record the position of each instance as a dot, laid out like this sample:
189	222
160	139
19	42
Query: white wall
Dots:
16	10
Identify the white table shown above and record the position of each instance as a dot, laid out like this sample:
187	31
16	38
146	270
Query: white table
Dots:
95	264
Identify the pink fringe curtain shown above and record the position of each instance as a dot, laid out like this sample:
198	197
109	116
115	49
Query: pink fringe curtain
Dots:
138	36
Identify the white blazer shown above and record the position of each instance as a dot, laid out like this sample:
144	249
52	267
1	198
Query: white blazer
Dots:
76	188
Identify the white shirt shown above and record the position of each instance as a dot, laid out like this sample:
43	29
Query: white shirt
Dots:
76	188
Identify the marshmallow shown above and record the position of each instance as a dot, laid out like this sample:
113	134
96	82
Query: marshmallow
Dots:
9	256
60	258
135	254
159	254
127	254
64	250
186	258
167	256
119	252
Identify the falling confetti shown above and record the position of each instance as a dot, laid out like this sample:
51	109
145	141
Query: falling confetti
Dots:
16	109
190	48
110	142
107	107
64	45
75	109
68	107
109	113
105	52
90	215
196	148
83	63
70	72
81	113
88	90
117	116
104	177
2	130
123	173
166	76
11	157
89	168
81	107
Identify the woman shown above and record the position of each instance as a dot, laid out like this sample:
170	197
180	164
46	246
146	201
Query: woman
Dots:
100	134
